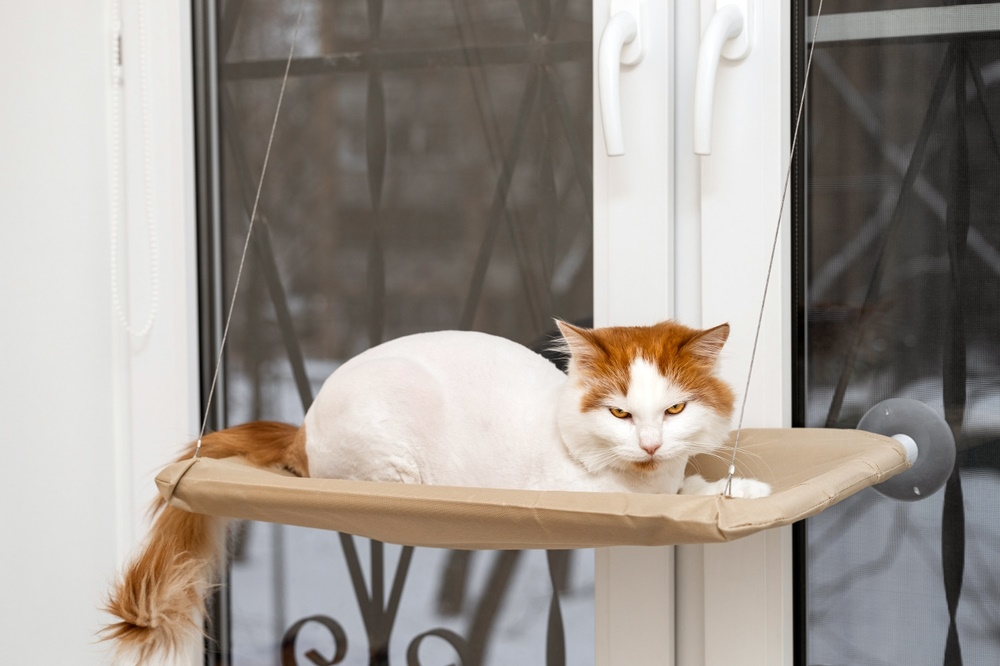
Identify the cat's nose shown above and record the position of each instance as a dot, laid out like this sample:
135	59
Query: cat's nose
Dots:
650	439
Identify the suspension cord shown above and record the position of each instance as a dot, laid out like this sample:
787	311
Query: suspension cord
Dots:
774	248
246	243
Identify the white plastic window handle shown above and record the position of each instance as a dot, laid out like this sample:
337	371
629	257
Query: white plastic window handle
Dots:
727	23
622	29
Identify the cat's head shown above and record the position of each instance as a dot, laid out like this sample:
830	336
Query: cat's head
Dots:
638	396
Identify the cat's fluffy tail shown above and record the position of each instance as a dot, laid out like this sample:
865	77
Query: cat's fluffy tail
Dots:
160	599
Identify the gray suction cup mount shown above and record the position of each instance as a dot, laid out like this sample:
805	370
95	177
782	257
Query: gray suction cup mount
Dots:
928	441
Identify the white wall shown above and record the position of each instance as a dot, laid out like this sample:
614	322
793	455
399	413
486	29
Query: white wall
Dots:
57	524
87	413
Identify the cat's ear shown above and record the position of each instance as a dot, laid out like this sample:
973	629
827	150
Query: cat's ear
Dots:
578	342
706	345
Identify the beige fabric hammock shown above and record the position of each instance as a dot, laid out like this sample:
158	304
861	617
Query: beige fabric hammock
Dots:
809	469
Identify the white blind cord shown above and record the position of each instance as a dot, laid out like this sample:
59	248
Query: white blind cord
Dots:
117	81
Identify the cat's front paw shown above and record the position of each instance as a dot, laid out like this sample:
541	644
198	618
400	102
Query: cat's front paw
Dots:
748	488
745	488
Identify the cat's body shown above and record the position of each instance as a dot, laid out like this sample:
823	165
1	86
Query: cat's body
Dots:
454	408
464	409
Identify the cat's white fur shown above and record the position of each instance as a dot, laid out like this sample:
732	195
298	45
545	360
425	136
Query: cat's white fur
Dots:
470	409
460	409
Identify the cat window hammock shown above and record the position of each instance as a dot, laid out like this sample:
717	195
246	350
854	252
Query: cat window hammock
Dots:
808	469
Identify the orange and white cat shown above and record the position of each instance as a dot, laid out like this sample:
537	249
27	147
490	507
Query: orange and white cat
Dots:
461	409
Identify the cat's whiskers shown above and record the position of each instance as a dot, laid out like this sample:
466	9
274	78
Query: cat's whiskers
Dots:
597	460
724	456
697	447
744	463
757	459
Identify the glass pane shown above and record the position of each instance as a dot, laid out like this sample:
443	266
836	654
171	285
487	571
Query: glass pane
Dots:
901	268
431	170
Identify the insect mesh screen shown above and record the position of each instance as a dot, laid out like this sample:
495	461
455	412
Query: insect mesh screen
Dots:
902	275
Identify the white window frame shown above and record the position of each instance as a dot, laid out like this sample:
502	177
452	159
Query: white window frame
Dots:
155	399
156	395
728	603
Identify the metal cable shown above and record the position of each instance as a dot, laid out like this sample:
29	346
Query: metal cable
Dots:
774	248
246	243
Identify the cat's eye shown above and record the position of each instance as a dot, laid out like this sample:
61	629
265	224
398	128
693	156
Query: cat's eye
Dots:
676	409
619	413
